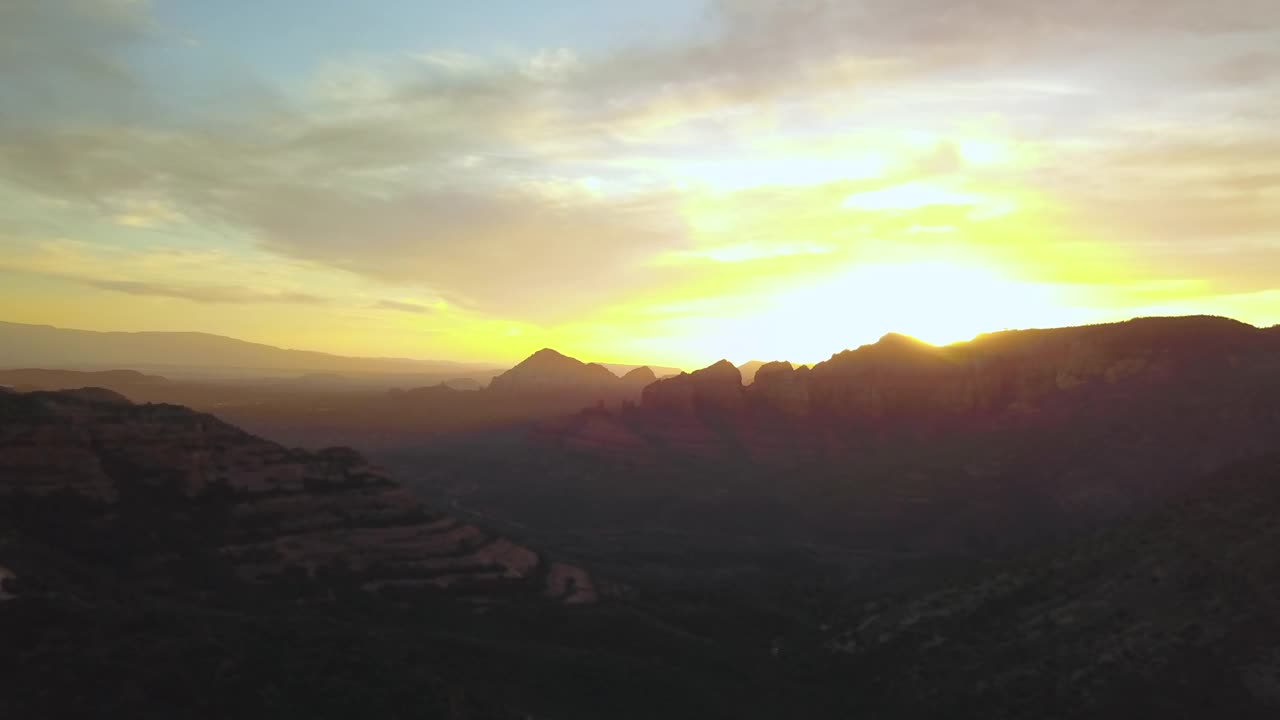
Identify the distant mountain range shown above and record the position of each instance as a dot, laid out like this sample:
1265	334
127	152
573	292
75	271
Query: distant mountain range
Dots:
320	409
41	379
194	354
44	346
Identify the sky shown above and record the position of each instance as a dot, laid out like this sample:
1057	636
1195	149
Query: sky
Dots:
671	182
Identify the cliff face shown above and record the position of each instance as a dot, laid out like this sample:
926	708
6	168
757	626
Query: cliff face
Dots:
1096	418
779	386
1017	370
899	379
265	510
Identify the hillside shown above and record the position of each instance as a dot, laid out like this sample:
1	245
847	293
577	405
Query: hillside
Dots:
1171	614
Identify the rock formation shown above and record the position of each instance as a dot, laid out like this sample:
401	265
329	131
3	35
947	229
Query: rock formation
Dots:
1028	379
275	512
781	387
714	388
899	378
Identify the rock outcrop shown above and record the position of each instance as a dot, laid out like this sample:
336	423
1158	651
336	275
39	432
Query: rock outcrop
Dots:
716	388
781	387
270	512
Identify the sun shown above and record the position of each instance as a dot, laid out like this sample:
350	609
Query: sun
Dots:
937	301
942	302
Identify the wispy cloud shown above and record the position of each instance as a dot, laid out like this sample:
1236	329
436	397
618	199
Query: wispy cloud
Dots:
543	186
403	306
206	293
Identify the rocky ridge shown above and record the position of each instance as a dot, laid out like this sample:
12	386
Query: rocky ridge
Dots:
267	511
899	381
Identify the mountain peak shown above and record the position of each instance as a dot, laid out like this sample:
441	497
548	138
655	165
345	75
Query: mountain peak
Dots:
718	385
897	339
548	369
547	353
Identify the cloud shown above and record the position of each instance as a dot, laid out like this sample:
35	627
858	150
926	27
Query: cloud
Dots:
541	187
403	306
147	213
160	272
69	56
216	294
1243	70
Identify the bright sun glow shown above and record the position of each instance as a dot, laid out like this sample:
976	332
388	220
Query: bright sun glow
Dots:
938	302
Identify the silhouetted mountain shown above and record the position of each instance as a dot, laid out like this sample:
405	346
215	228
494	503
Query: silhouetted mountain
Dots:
900	381
657	370
549	371
431	392
640	377
716	387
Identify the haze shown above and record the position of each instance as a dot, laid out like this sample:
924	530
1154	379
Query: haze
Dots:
669	181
